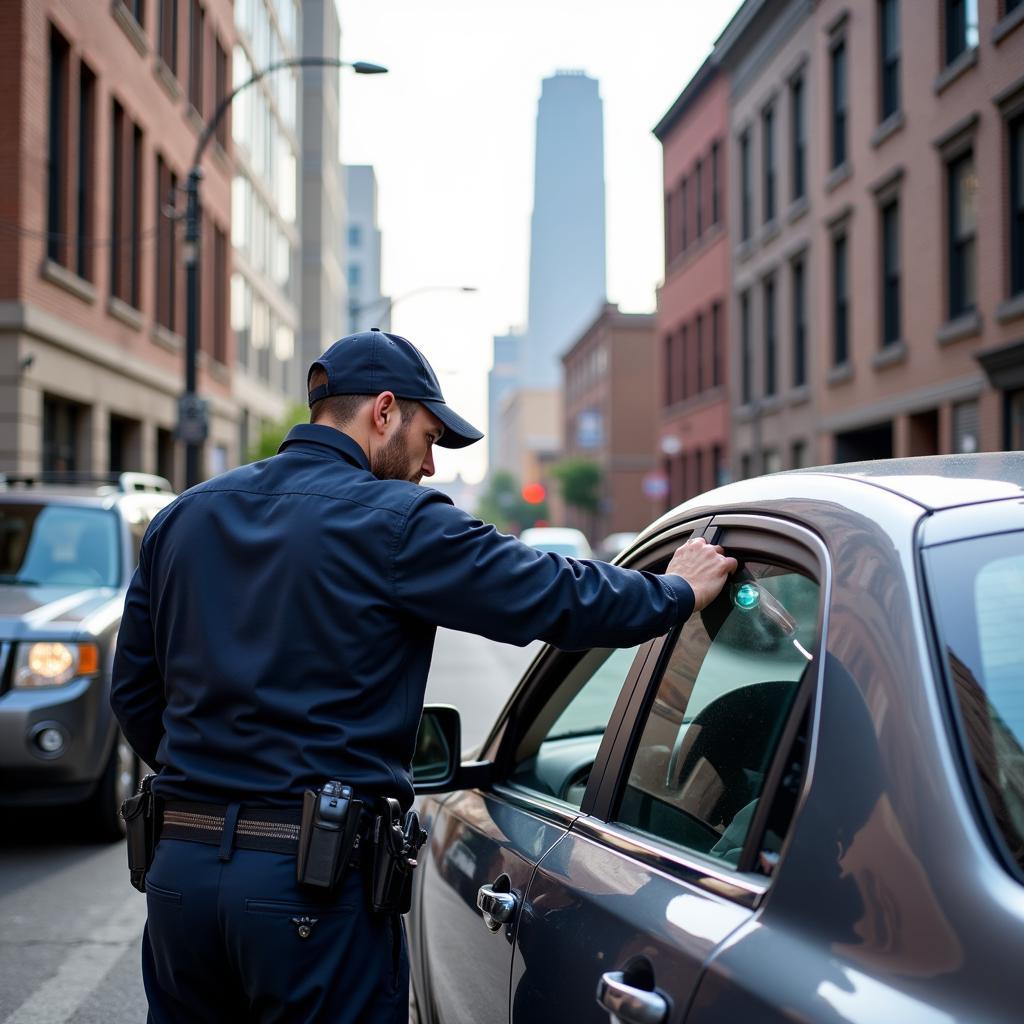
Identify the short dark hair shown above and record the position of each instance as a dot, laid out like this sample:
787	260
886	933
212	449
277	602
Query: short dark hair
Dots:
342	409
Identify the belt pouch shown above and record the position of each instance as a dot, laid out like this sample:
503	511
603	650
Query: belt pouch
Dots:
139	814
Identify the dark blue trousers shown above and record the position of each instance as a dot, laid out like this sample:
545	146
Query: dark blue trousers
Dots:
239	940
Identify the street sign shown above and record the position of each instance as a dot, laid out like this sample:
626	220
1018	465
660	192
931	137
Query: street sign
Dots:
193	419
655	484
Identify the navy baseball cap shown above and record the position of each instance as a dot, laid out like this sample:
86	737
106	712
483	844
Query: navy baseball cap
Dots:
373	361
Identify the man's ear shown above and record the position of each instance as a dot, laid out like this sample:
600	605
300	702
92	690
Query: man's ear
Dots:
384	409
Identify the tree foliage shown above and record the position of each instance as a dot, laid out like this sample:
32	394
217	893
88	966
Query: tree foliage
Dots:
580	482
502	504
273	433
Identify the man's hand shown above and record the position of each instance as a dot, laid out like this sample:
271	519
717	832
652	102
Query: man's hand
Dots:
704	566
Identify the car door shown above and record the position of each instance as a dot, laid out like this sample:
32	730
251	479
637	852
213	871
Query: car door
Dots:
680	836
486	843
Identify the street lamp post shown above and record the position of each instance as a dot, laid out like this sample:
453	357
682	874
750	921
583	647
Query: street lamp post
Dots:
193	421
388	303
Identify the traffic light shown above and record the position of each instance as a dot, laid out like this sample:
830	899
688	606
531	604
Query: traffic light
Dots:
533	494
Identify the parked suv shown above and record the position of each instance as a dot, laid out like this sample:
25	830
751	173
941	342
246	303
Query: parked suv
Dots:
68	548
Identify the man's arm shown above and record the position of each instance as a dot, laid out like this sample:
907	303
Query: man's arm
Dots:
137	688
455	571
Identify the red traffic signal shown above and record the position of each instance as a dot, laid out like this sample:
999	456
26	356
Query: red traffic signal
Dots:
533	494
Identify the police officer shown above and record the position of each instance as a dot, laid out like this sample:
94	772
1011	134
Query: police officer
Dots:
277	634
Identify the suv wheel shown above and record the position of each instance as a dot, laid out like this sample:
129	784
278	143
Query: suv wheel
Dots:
118	782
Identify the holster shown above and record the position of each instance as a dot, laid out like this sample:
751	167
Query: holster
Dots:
140	818
396	844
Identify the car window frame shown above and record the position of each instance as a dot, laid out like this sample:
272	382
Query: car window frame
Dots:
766	538
534	687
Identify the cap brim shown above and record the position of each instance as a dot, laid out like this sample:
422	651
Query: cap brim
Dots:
458	433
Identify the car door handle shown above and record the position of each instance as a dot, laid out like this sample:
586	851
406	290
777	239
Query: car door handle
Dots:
497	903
629	1004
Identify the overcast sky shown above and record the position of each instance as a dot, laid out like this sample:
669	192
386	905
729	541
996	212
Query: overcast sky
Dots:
450	132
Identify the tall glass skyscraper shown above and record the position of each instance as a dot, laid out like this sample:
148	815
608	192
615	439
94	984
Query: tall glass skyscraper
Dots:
567	230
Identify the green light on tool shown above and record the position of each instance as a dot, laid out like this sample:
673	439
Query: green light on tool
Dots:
747	596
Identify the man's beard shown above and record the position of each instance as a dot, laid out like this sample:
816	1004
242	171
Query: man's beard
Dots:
392	461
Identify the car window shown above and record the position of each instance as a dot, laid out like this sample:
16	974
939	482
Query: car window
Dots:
558	749
977	589
58	545
718	715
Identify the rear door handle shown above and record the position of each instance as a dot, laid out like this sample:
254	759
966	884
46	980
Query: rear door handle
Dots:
627	1004
497	903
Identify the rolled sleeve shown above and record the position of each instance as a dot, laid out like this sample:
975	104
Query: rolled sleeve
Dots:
455	571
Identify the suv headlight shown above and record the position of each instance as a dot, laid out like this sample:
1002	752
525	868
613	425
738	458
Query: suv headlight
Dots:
53	664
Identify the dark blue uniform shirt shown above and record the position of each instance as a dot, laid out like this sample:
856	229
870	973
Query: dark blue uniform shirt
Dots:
278	630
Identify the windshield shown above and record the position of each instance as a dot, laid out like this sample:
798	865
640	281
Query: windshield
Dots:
977	590
58	545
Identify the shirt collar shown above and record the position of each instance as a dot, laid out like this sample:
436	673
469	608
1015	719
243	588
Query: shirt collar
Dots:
327	437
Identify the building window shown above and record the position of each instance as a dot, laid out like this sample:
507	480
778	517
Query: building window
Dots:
138	9
840	301
670	373
745	186
700	353
798	130
1016	139
686	213
166	249
684	363
746	392
355	275
355	235
768	159
241	318
888	58
196	31
716	345
57	176
771	462
698	471
64	425
799	324
890	218
221	322
716	171
699	186
126	153
769	336
966	428
962	186
718	467
221	79
961	18
86	170
167	42
798	455
839	104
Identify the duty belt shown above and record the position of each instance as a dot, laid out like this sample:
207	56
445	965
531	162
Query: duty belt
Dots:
271	829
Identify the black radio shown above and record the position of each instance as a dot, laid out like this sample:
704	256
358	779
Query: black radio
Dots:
330	824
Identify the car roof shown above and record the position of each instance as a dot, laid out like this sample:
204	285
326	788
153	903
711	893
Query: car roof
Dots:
552	533
939	481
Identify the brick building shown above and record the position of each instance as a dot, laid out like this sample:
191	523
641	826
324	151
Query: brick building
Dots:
692	369
768	53
920	226
610	418
104	105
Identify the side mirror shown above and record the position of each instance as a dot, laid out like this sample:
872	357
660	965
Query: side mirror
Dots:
436	766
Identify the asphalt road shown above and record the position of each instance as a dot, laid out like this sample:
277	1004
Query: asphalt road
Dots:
71	925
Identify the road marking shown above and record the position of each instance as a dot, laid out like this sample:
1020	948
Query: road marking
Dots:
81	972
